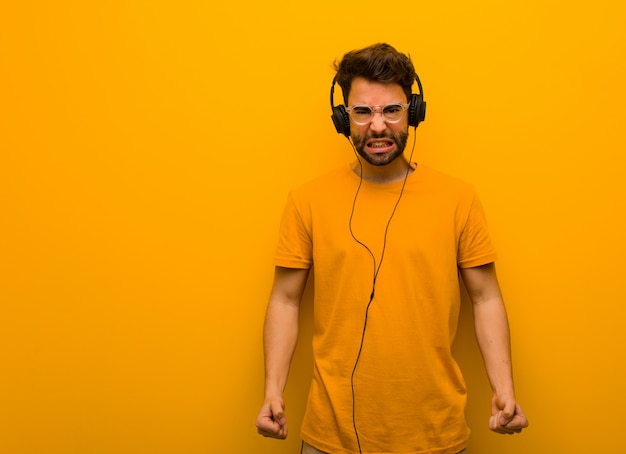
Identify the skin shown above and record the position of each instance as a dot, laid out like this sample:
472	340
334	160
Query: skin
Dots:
280	334
492	333
380	164
386	164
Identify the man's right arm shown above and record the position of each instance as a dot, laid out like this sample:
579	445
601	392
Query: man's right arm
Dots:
280	335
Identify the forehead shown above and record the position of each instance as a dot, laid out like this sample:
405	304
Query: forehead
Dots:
364	91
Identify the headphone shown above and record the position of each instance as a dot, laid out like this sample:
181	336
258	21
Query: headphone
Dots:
341	119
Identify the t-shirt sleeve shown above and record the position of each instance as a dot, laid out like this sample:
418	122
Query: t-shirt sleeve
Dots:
295	248
475	245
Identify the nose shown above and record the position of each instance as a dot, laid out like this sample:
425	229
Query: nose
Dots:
378	123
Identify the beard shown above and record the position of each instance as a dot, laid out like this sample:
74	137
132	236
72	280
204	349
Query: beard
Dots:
399	139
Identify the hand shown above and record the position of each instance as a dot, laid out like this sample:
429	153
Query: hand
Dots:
507	416
271	421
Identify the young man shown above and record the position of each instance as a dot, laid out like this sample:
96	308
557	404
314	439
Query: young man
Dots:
387	240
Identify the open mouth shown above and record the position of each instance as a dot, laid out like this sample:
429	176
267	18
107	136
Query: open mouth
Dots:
379	145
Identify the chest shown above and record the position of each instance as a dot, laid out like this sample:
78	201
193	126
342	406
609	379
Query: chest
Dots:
415	227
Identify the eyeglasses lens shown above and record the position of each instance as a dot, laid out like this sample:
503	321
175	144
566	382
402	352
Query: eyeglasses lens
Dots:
365	114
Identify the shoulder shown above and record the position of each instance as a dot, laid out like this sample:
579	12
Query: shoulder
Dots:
324	184
429	177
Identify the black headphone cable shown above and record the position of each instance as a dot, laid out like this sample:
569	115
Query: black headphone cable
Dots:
376	268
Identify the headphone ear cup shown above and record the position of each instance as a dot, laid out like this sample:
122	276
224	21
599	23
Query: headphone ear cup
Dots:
341	120
417	110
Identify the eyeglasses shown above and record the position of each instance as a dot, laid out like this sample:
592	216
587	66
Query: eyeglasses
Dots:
363	114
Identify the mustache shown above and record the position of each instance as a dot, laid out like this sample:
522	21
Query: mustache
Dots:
375	135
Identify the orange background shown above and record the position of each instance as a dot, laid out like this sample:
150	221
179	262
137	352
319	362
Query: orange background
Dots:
146	149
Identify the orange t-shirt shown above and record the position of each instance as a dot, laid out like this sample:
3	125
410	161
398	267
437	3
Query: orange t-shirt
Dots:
409	394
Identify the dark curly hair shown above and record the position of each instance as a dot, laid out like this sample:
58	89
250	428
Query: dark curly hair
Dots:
379	63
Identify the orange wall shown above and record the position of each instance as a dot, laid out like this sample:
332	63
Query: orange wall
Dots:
146	148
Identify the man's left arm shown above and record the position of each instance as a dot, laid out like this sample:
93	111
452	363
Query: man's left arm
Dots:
492	333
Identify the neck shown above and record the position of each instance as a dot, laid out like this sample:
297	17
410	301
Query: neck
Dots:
390	173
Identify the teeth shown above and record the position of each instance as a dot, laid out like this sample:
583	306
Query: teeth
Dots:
378	144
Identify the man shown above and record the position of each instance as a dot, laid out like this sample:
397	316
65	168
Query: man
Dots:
387	240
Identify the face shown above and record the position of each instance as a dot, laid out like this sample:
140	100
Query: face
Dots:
378	142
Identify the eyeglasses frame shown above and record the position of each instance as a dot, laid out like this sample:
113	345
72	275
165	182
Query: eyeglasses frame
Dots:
378	109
